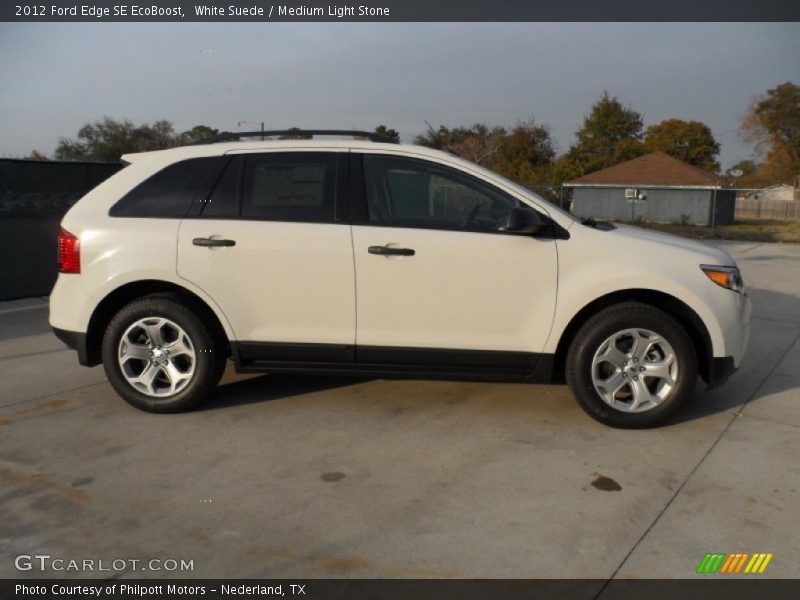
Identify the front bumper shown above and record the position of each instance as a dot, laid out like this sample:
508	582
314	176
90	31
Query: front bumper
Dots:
733	318
732	313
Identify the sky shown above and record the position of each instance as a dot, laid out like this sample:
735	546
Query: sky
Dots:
55	77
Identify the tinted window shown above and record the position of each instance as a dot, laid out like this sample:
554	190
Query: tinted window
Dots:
168	193
223	201
290	186
416	193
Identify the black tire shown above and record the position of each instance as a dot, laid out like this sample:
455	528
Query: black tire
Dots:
600	327
209	363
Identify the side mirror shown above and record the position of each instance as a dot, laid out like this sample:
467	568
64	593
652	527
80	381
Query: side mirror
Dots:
524	220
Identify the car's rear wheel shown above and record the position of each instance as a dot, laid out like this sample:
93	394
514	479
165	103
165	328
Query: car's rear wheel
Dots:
631	365
160	357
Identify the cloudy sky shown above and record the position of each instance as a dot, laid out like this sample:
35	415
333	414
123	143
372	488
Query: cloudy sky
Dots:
56	77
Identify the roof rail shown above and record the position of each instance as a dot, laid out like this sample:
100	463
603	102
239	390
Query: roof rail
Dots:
235	136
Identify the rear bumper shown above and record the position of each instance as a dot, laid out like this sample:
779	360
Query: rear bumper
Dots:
719	370
75	341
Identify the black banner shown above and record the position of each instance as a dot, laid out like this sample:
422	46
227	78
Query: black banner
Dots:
731	588
402	10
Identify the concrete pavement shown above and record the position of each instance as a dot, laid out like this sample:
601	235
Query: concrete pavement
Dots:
324	477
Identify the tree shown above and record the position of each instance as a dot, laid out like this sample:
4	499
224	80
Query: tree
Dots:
773	124
442	138
197	133
107	139
526	154
390	134
608	136
158	136
778	167
294	135
627	149
36	155
563	169
689	141
478	143
749	174
747	167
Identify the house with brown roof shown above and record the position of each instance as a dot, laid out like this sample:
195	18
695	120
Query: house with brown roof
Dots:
655	187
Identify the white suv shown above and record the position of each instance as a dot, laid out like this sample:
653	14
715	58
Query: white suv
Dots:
371	258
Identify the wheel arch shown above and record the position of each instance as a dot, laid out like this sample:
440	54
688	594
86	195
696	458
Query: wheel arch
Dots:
122	295
676	308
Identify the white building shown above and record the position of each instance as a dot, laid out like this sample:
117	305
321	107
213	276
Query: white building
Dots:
779	191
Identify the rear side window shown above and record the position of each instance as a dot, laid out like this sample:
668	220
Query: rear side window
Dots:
290	186
167	194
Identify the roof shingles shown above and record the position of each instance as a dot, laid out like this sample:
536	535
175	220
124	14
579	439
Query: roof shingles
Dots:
654	169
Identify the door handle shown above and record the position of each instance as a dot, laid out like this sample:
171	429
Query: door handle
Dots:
390	251
212	242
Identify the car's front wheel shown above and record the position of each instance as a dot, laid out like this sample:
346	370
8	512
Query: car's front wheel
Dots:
160	357
631	365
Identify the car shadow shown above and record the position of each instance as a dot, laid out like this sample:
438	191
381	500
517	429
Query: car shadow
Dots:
742	387
772	311
274	386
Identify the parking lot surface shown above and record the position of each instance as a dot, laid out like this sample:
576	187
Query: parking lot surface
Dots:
298	476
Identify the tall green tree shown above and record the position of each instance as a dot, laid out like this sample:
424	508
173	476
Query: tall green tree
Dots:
610	133
773	124
689	141
526	154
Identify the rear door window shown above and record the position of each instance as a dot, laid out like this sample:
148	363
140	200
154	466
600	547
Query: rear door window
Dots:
290	186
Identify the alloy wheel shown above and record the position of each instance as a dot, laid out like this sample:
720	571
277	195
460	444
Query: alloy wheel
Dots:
157	357
635	370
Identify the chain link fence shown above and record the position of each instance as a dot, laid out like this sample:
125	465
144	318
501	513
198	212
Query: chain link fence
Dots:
34	195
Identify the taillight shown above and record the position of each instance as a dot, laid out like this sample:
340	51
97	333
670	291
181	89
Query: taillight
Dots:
69	253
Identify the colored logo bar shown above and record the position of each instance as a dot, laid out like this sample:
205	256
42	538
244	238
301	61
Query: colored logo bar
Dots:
736	562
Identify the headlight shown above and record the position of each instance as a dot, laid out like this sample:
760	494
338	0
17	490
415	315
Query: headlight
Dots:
727	277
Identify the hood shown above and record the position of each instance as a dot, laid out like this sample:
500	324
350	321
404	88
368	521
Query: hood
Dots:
710	254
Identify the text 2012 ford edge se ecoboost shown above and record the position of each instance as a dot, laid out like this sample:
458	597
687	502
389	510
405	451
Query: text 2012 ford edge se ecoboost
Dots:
363	257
